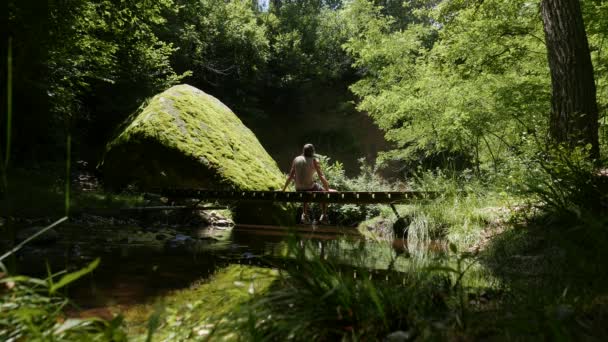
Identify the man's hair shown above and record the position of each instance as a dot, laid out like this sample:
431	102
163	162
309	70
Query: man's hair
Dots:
308	151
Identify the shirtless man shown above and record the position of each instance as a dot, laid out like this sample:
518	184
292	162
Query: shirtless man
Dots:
302	171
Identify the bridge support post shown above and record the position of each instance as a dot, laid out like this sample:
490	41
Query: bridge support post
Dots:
395	211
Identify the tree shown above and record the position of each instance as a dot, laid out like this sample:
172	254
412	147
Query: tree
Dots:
85	65
574	116
464	84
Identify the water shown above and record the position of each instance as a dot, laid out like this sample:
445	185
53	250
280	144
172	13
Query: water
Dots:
138	264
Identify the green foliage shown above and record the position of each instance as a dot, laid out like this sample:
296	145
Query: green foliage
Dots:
315	300
305	39
71	277
221	42
71	56
597	33
368	179
464	262
196	312
31	309
467	80
568	183
465	207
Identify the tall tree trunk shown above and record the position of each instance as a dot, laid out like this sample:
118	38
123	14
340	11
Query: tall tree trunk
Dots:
574	117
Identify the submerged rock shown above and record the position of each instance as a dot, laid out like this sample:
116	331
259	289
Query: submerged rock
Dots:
186	138
179	243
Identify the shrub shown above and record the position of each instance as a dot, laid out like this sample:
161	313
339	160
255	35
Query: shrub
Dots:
568	182
368	179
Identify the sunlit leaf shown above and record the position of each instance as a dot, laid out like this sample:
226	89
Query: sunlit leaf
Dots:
71	277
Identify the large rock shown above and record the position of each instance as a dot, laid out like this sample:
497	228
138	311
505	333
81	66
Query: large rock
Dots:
186	138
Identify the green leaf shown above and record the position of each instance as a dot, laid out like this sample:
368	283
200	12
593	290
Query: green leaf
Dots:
71	277
23	279
155	320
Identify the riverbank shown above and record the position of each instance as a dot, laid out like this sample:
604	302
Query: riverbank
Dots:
475	264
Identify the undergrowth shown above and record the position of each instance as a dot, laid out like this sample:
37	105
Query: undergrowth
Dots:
32	309
40	192
315	299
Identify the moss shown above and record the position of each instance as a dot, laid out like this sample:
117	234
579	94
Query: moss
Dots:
194	313
184	137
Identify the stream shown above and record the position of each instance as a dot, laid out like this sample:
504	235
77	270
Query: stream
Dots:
138	265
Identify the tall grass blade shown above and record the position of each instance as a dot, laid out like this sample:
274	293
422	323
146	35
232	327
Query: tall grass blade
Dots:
70	277
42	231
67	173
155	320
9	102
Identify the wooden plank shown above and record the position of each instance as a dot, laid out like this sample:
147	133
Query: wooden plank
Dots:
343	197
173	207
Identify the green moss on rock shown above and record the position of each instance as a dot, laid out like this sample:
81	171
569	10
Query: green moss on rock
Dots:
189	128
186	138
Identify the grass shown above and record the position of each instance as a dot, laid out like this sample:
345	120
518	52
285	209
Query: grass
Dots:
537	279
466	219
197	312
315	299
32	309
555	278
458	296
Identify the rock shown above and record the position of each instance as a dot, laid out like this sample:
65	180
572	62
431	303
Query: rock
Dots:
398	336
50	236
186	138
179	243
223	223
76	251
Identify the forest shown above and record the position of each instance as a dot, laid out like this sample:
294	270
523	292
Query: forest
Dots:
489	117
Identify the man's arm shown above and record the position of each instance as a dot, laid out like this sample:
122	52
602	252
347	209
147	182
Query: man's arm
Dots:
290	177
321	176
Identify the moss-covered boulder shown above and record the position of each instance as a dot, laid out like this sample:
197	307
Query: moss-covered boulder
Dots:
186	138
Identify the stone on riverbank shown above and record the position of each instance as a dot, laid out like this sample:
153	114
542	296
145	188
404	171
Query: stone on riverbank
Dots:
186	138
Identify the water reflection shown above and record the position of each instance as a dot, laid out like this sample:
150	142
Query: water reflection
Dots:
138	265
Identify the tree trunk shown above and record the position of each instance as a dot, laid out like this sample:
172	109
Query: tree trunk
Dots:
574	117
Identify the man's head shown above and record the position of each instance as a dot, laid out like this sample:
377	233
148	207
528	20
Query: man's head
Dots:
308	151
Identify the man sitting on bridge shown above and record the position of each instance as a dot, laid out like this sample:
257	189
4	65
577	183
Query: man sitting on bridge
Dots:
302	171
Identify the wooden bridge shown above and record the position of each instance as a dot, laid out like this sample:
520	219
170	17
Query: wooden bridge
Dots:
341	197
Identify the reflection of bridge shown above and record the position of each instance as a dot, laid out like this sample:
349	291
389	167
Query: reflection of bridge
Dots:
343	197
